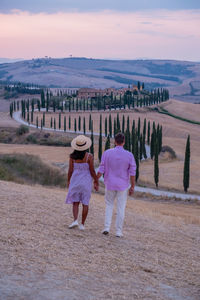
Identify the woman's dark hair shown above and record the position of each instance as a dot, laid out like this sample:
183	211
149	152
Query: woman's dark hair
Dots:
77	154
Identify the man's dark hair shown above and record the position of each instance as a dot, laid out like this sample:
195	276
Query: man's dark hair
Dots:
77	154
119	138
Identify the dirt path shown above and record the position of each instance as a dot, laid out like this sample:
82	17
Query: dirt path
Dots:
40	258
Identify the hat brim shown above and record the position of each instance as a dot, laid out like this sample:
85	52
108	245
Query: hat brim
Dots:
86	146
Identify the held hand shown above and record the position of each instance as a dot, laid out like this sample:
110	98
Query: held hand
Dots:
131	190
96	186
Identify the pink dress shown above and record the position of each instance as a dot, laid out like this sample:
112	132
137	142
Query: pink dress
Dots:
80	187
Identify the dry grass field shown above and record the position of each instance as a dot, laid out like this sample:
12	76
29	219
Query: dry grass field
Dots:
175	134
183	109
40	258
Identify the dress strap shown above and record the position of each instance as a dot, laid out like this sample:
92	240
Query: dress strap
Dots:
87	157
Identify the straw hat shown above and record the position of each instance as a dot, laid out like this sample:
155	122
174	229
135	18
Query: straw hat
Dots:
81	143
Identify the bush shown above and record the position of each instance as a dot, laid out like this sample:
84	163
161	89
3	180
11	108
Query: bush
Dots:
22	130
31	139
27	168
169	150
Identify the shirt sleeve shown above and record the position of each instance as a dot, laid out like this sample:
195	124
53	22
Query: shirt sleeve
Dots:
102	164
132	166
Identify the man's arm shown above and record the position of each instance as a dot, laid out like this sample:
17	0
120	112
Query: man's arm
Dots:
102	166
132	180
132	172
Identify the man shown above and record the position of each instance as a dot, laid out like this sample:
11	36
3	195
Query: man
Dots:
119	168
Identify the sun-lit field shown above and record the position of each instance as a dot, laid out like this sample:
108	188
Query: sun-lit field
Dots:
175	134
183	109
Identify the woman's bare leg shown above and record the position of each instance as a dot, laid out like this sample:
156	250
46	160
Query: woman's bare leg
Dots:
75	210
84	213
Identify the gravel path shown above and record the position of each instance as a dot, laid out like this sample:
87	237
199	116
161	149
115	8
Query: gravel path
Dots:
40	258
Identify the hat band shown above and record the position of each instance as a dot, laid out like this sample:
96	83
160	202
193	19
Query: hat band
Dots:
81	145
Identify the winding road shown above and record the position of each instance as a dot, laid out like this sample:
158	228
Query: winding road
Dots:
155	192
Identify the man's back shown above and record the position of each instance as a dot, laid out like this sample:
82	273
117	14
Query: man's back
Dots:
117	165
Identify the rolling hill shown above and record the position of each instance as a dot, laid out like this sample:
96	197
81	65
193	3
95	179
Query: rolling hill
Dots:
182	78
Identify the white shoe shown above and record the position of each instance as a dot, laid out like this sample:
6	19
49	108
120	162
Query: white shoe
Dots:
74	224
81	227
119	234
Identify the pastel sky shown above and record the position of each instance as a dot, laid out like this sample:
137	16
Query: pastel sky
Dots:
100	29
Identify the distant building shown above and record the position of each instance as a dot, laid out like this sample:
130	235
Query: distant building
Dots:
88	93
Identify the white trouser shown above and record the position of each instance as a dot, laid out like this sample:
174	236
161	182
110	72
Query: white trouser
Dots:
121	205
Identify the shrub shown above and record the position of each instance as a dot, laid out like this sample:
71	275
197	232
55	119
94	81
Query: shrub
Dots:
22	130
169	150
31	139
27	168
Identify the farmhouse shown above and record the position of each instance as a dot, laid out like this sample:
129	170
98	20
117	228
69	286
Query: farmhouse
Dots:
88	93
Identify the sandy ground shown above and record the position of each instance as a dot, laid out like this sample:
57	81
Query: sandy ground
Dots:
40	258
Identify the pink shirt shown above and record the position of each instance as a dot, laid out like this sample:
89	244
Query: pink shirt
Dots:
117	165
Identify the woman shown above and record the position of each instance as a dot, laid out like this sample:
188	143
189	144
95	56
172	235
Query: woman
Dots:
80	174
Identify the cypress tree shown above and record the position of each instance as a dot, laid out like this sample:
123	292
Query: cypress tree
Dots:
37	121
90	122
32	116
84	126
11	110
152	146
51	123
110	125
133	141
69	122
118	123
148	133
54	105
141	147
92	139
128	124
160	139
107	144
79	123
28	117
41	124
65	125
144	147
100	139
156	168
42	99
144	129
75	125
138	128
133	126
106	126
43	119
59	124
54	123
115	127
186	171
136	158
123	124
47	102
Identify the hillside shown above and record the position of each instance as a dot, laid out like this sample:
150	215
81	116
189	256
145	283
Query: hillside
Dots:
180	77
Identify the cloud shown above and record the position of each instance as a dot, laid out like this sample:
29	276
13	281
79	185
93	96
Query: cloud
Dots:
153	34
